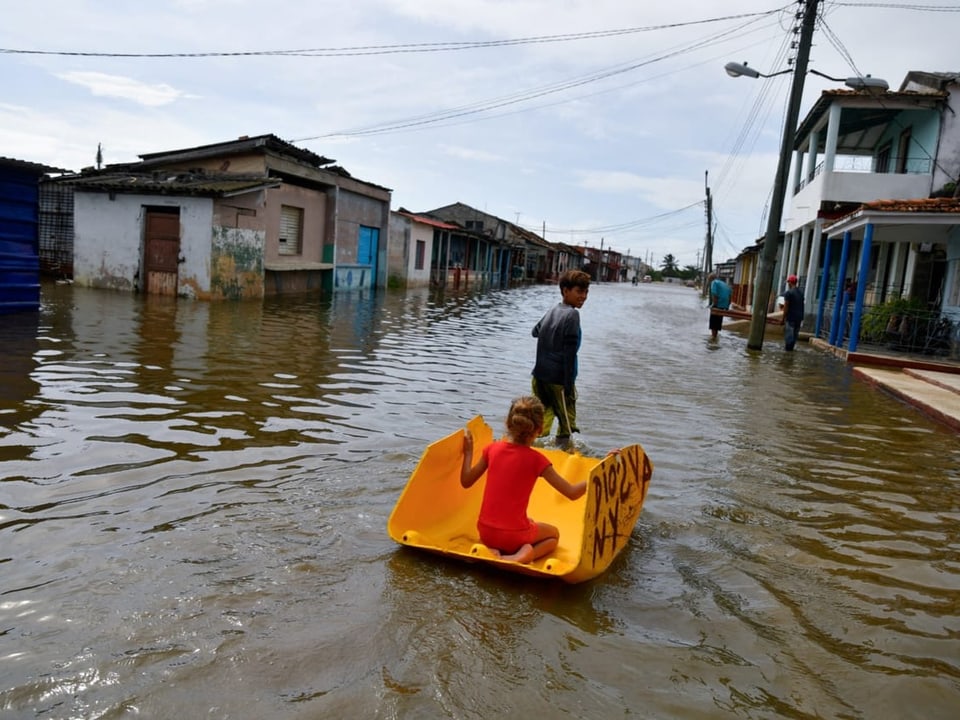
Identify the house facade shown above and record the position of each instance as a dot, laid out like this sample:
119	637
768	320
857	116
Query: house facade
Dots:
853	150
185	234
411	246
505	253
247	218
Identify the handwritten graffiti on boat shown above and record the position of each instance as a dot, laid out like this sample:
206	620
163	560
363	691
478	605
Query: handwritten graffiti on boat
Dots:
617	489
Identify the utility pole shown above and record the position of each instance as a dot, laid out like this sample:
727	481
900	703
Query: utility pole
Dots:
708	245
768	256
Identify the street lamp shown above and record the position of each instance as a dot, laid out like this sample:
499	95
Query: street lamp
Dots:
743	70
768	255
867	82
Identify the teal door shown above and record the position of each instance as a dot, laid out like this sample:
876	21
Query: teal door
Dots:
367	248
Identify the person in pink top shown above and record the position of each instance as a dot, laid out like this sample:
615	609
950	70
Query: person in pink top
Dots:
512	468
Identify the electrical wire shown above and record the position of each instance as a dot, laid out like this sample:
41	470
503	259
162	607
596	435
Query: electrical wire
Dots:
445	46
485	106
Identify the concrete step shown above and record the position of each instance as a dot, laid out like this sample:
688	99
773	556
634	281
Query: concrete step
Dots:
947	381
935	394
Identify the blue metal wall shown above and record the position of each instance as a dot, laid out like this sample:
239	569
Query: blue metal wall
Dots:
19	248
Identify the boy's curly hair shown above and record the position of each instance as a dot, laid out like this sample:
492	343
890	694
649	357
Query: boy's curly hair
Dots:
525	419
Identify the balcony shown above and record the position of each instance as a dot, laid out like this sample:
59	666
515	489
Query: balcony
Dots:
854	181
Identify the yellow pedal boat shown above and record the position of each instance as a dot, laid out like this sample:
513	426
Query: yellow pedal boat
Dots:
435	513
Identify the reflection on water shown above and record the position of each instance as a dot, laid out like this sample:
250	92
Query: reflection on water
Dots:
194	499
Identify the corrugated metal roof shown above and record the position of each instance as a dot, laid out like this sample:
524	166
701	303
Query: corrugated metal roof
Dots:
39	168
160	183
243	144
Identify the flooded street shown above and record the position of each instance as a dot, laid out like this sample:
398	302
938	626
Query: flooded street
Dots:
194	497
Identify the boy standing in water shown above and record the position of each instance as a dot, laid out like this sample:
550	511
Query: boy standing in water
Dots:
558	341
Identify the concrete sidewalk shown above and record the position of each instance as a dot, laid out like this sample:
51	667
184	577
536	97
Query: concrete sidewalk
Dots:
936	394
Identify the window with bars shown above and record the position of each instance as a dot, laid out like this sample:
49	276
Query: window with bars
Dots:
291	230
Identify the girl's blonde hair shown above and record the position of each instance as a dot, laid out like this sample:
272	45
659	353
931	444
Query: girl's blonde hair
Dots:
525	420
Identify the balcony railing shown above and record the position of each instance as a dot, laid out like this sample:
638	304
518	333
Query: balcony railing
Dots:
867	165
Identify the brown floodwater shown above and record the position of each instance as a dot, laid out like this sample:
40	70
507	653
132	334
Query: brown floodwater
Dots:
193	501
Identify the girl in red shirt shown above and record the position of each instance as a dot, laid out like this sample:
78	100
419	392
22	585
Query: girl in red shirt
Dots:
512	468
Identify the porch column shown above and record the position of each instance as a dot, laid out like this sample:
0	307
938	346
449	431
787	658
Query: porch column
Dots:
861	287
812	287
910	270
786	260
833	131
798	175
836	332
881	286
824	278
793	265
812	155
895	283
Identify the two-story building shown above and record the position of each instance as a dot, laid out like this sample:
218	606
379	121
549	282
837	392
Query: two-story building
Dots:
853	150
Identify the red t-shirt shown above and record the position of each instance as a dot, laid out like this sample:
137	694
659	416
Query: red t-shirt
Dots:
512	471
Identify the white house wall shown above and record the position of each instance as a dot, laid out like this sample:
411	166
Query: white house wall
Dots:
108	240
421	277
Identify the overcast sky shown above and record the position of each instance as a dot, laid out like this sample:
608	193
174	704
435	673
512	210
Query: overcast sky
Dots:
592	119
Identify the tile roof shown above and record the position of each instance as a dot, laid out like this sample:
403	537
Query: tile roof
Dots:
926	205
427	220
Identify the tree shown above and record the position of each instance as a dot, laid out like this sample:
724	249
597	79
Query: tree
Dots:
669	265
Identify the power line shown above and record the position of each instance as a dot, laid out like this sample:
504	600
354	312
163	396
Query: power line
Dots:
901	6
527	95
446	46
629	225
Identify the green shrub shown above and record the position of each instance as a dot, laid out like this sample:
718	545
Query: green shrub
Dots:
873	326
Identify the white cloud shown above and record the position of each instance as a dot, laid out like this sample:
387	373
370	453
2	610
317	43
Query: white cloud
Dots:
472	154
103	85
667	193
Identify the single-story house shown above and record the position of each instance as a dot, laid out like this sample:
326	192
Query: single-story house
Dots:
245	218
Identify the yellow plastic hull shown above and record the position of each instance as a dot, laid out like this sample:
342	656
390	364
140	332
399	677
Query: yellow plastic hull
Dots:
435	513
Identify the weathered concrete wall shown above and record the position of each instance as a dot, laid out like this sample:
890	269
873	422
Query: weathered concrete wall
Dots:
108	240
236	264
355	210
314	206
402	252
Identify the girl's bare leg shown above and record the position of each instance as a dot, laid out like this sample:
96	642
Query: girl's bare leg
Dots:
545	543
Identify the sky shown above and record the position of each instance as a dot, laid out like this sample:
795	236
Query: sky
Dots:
587	121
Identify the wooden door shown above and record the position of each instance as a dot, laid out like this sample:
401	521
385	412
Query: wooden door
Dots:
161	256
